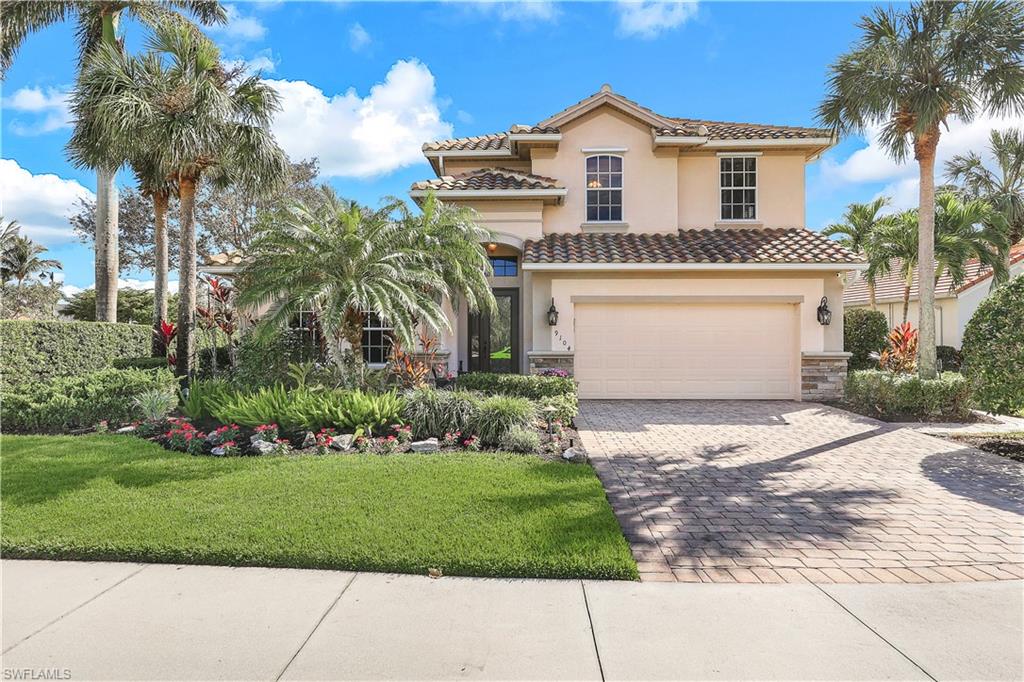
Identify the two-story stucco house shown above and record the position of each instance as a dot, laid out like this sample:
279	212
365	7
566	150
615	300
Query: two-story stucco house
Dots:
651	256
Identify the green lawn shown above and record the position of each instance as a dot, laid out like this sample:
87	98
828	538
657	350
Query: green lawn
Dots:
106	497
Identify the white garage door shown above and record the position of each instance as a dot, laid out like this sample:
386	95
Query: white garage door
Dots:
685	350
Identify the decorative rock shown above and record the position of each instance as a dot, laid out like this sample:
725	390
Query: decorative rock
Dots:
219	451
212	438
428	445
309	440
126	429
574	455
342	441
262	447
255	438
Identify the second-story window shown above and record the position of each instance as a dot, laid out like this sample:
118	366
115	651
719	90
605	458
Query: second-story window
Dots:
739	187
604	188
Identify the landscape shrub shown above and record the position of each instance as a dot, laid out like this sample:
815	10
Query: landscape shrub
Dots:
433	413
559	391
864	333
33	351
155	404
498	414
265	363
949	357
906	397
140	363
519	439
203	396
70	403
993	349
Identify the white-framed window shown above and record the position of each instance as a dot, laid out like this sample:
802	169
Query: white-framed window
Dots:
738	182
604	188
376	339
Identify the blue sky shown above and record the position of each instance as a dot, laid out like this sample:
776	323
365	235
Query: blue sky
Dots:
364	84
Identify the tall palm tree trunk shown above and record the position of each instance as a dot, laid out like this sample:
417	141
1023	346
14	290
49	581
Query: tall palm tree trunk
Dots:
160	270
106	241
871	296
186	276
906	298
924	151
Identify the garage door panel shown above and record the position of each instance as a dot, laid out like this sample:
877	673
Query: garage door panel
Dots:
686	350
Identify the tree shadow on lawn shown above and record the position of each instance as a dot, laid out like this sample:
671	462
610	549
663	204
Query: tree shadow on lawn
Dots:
702	508
43	472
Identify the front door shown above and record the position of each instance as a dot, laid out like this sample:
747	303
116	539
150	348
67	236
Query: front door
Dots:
494	339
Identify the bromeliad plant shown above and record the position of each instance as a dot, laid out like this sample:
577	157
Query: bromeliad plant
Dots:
901	355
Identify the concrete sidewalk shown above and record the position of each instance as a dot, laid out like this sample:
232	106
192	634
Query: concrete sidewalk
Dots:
134	621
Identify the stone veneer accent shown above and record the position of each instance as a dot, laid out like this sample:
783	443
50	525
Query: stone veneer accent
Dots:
540	359
823	375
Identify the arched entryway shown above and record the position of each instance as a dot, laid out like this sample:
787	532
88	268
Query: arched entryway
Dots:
494	341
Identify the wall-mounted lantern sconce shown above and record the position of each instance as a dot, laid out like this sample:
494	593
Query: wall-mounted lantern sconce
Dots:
824	314
552	314
492	247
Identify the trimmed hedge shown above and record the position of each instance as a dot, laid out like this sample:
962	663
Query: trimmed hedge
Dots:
864	333
70	403
993	349
140	363
558	392
33	351
906	397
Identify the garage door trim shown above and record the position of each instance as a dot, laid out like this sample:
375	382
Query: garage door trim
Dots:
687	299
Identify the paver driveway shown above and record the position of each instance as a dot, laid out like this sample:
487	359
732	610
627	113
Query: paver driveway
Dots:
776	491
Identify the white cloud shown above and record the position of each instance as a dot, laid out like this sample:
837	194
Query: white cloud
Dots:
357	136
41	203
43	111
647	20
464	116
240	27
263	62
358	38
518	11
872	164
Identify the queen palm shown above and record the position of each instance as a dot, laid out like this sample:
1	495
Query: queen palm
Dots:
912	70
963	231
155	184
178	104
96	24
1002	188
21	259
859	224
344	261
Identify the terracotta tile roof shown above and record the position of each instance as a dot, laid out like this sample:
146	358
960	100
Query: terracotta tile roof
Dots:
534	130
890	287
725	130
488	178
493	142
784	245
227	258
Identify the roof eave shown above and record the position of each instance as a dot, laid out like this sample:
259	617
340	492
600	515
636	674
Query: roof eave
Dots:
821	266
555	194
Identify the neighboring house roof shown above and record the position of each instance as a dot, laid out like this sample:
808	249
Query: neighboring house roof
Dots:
226	258
724	130
890	287
778	246
488	179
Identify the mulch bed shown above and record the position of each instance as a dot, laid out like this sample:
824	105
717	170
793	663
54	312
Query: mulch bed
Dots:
1009	445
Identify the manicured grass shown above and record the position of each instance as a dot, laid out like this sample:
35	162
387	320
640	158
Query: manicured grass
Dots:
120	498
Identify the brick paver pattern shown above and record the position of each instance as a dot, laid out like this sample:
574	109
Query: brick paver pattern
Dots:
776	491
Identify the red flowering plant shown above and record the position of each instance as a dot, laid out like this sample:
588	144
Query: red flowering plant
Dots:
450	440
230	449
185	438
267	433
386	445
472	444
402	433
323	439
282	446
363	444
225	433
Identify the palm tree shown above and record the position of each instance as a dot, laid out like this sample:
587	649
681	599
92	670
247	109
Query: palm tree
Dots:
964	231
910	72
344	261
180	105
1003	190
859	223
97	23
20	260
155	184
7	234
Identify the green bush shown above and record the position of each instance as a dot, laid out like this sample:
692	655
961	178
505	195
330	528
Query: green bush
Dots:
266	363
308	409
38	351
906	397
864	333
71	403
993	349
557	391
203	396
140	363
949	357
433	413
499	414
520	440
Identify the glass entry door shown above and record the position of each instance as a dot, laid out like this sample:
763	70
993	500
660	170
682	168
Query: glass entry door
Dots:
494	339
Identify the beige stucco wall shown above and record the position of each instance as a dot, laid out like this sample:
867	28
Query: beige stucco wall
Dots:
563	287
947	328
518	219
649	180
459	166
780	190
